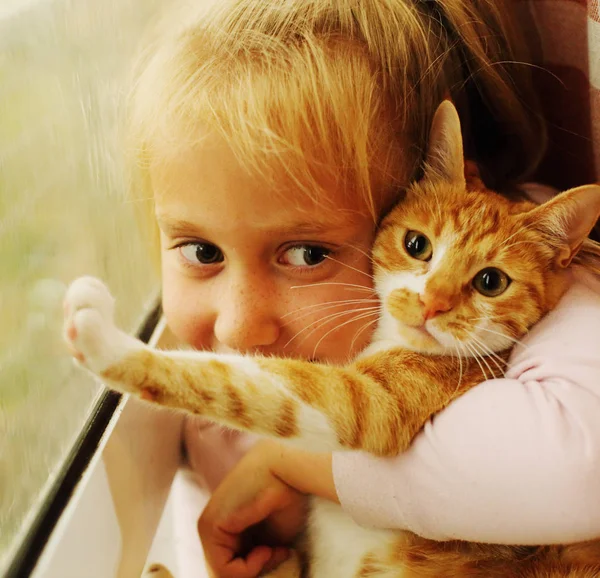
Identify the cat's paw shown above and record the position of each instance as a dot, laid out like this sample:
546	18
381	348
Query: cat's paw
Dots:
89	327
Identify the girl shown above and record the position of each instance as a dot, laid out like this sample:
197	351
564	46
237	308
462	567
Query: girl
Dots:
273	135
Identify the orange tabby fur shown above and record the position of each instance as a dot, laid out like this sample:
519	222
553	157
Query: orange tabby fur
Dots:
430	347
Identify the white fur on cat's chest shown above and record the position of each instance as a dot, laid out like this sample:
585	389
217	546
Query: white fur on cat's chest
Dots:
338	545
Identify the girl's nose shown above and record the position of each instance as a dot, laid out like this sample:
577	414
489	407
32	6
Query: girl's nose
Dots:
246	318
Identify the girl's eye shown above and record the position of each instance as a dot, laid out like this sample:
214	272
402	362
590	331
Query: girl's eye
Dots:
491	282
306	255
418	246
205	253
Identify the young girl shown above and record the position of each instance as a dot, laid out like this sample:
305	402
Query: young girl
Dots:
273	135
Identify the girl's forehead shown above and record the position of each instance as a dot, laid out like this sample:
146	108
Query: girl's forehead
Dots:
210	174
245	219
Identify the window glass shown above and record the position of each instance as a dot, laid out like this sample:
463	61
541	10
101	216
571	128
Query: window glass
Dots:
63	213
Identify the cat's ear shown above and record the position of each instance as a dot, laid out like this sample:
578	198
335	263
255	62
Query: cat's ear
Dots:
445	159
567	220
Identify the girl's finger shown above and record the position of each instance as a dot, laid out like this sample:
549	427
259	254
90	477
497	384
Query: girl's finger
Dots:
220	552
249	567
279	556
251	514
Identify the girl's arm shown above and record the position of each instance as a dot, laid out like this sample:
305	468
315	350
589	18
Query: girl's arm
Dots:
514	460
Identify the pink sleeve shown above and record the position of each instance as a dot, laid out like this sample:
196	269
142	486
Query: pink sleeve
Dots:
514	460
212	450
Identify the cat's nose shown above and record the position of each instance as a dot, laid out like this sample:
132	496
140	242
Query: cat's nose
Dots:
434	305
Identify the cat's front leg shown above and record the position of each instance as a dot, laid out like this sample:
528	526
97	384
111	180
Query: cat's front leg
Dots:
316	406
264	396
90	332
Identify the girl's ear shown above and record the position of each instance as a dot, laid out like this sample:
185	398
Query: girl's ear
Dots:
444	159
567	219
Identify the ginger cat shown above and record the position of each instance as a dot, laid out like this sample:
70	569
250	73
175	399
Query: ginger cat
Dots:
462	273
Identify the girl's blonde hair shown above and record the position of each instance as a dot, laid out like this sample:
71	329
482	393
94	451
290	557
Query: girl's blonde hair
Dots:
338	91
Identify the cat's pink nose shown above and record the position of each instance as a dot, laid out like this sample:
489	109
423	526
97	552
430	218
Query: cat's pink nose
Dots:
433	306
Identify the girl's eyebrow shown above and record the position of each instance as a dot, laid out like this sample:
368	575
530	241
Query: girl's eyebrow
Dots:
304	228
175	227
181	227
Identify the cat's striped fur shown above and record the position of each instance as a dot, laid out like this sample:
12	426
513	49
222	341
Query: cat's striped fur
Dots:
437	337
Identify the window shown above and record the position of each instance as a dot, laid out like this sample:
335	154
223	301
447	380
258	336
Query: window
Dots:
63	213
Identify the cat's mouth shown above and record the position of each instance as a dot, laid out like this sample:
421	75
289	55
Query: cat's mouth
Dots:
422	330
422	335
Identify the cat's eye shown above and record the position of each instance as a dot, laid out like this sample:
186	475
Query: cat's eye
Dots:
306	255
203	253
491	282
418	245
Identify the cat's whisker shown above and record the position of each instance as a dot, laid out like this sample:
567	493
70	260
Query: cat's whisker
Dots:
363	316
331	317
351	286
499	362
349	266
475	357
438	204
308	313
513	339
321	322
458	351
324	322
489	317
329	304
358	333
483	357
527	242
462	353
359	250
474	337
315	325
492	355
520	230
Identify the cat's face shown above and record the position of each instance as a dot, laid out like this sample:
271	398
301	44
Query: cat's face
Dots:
458	273
461	270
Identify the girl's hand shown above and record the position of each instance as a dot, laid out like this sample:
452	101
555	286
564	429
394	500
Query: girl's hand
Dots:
252	518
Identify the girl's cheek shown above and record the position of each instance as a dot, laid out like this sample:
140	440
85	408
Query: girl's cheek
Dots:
331	333
188	322
189	327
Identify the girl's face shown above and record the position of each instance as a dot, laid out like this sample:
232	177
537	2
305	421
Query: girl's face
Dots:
252	270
